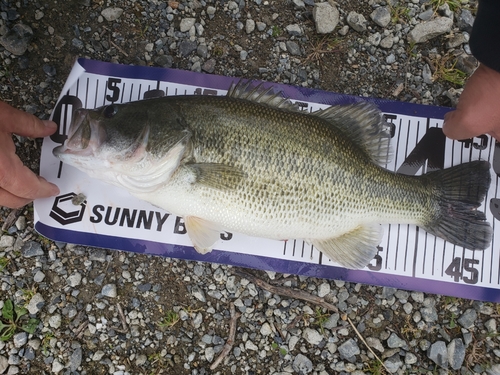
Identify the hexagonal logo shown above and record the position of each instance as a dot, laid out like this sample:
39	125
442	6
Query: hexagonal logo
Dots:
68	209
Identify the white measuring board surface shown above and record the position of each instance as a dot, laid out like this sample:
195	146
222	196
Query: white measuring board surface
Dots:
408	257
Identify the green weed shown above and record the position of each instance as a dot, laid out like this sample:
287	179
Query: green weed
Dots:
11	320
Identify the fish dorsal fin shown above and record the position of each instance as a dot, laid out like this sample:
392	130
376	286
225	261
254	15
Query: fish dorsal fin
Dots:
364	124
259	94
354	249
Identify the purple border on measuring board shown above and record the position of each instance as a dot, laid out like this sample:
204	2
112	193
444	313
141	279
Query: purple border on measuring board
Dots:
253	261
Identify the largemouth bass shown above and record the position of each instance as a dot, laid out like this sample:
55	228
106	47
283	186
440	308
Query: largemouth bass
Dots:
252	162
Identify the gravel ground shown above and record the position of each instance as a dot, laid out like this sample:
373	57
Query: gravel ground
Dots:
95	311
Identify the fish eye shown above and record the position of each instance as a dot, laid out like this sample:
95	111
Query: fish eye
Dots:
110	111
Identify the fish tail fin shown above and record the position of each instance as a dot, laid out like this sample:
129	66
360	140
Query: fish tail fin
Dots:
461	190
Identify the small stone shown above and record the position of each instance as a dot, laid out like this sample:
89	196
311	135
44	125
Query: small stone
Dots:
55	321
20	339
374	39
456	353
249	26
332	321
209	66
109	290
266	330
249	345
186	47
375	344
410	359
141	359
187	24
491	325
209	354
57	366
198	294
75	359
393	364
38	277
293	48
98	355
426	15
326	17
312	336
4	363
438	353
357	21
425	31
165	61
74	279
35	304
323	289
394	341
381	16
468	318
349	349
429	314
302	364
112	13
387	42
21	223
17	40
31	249
294	30
6	241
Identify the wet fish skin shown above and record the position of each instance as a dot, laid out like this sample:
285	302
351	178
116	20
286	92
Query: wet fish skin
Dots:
251	162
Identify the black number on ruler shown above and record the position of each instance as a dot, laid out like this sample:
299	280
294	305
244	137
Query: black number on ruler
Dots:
378	261
458	272
115	90
481	145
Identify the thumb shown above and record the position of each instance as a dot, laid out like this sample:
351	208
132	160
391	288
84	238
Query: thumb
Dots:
455	126
22	123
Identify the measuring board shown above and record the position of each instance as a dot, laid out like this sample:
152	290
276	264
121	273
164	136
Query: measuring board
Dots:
407	258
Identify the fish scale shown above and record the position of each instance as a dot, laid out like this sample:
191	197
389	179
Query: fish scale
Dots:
251	162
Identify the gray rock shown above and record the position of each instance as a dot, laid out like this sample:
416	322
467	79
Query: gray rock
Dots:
375	344
465	20
57	367
198	293
312	336
32	249
387	42
390	59
494	370
410	359
249	26
323	289
332	321
4	363
109	290
381	16
75	359
438	353
349	349
112	13
165	61
294	30
326	17
38	277
394	341
491	325
468	318
374	39
425	31
456	353
429	314
209	353
35	304
6	241
186	47
261	26
393	364
293	48
211	11
426	15
266	330
74	279
17	40
55	321
209	66
302	364
357	21
186	24
20	339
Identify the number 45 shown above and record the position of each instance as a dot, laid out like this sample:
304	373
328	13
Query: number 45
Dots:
456	270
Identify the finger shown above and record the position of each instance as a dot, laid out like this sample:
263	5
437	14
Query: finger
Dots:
457	126
22	123
19	180
10	200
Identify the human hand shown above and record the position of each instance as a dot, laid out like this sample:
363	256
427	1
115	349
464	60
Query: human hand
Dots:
478	109
18	184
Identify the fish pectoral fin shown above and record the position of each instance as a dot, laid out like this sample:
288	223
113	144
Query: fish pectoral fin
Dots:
217	176
204	234
354	249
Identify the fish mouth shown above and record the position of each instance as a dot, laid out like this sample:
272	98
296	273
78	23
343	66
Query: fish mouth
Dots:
84	136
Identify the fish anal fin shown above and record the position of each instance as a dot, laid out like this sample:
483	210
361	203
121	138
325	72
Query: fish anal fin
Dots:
217	176
364	124
354	249
204	234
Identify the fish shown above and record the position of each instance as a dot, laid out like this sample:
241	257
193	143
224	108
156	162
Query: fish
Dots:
253	162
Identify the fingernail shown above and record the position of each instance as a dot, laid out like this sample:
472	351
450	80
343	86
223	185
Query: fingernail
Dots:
49	124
